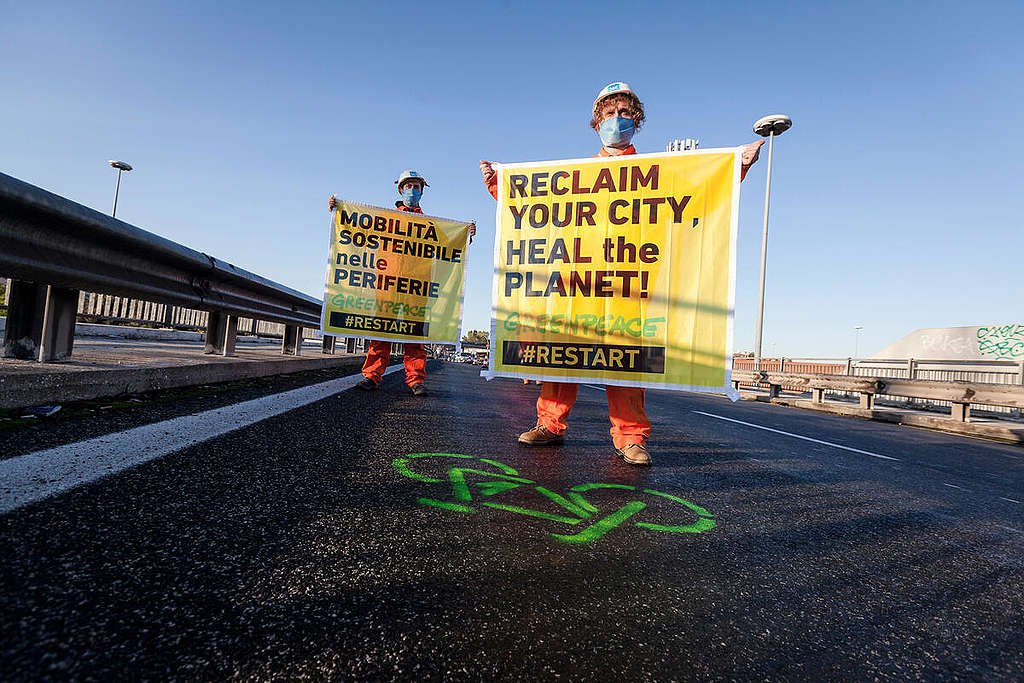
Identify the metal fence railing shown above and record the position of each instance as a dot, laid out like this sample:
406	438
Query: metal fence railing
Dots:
108	308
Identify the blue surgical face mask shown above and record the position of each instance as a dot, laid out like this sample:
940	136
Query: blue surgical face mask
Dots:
616	131
411	196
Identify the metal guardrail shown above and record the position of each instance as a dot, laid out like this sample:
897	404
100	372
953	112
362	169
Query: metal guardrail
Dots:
960	395
53	247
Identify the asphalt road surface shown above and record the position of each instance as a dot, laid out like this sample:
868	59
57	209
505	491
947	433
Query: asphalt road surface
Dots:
764	543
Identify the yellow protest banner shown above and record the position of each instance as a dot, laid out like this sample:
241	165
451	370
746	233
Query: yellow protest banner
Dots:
394	275
617	270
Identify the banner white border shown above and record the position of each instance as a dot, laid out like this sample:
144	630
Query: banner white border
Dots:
727	389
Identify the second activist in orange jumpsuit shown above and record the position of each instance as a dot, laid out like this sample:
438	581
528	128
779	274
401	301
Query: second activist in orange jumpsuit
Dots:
616	116
410	186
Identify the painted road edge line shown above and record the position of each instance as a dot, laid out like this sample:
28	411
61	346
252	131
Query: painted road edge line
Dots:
797	436
36	476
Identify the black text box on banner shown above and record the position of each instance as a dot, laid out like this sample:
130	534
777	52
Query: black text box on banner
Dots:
650	359
366	323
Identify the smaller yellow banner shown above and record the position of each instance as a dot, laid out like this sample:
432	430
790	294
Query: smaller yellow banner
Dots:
394	275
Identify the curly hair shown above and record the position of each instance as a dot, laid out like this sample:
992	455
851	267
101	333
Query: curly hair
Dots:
625	97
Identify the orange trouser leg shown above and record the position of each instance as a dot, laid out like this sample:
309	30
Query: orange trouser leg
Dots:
554	404
629	419
377	357
415	363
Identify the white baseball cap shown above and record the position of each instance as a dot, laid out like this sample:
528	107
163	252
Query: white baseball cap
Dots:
613	89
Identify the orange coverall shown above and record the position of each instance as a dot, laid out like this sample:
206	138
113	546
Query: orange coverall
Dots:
379	353
625	404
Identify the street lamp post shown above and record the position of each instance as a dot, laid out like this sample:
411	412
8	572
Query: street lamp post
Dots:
856	340
767	127
120	166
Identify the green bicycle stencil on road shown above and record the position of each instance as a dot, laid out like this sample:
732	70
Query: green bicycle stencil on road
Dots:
465	479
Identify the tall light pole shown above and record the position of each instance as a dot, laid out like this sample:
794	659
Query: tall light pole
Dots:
767	127
856	340
120	166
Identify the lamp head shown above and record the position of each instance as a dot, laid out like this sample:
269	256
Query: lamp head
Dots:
773	123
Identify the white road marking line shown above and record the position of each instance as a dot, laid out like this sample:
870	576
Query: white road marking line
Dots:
594	386
36	476
1011	500
797	436
954	486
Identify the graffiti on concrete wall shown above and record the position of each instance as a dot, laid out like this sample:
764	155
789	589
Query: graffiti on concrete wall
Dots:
1002	342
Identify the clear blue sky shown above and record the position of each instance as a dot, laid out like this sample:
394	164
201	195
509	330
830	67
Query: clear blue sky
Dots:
897	196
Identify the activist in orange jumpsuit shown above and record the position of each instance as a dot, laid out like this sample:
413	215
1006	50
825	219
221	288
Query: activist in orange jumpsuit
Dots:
410	186
616	116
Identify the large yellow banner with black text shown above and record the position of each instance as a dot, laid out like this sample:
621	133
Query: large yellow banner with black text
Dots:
617	270
394	275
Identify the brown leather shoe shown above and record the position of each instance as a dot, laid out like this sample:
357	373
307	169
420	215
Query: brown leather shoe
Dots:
366	384
539	436
635	454
418	389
